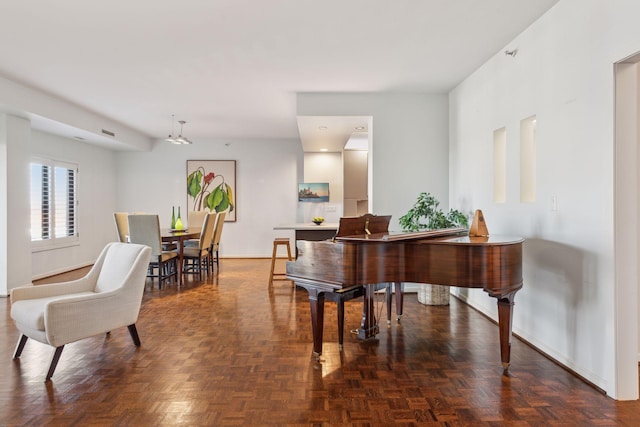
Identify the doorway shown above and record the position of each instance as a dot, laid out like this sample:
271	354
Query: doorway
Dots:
626	231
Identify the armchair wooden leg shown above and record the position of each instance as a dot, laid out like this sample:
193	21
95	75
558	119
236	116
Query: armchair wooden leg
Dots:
134	334
20	346
54	362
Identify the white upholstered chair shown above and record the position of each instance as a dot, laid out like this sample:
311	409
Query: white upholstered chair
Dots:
108	297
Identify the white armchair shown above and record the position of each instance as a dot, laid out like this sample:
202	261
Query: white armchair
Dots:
108	297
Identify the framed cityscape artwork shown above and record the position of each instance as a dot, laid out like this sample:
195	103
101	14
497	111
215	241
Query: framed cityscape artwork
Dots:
314	192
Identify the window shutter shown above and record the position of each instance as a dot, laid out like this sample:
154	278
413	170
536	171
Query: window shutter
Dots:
53	202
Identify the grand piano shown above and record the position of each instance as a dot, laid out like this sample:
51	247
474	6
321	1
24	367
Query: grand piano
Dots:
445	257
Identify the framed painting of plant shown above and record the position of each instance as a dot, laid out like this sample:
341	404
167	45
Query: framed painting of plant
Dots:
211	186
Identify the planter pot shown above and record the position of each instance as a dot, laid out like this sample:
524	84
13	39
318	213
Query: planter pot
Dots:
433	294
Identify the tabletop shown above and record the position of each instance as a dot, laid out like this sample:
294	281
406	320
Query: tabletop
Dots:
307	226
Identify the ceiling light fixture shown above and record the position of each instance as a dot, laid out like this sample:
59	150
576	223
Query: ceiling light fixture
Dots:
179	140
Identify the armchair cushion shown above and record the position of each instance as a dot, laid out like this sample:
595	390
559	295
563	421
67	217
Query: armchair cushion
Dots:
30	312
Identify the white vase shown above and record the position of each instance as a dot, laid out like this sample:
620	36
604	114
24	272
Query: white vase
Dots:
433	294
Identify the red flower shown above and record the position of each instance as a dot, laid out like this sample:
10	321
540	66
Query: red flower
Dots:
208	177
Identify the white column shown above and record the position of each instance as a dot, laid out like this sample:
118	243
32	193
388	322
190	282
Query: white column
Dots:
15	235
626	232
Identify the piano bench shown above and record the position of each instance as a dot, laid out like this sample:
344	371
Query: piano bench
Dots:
279	241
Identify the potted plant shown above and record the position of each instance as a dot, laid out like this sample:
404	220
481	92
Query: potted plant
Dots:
426	214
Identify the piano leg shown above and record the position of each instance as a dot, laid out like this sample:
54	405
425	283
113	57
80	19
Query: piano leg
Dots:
369	325
340	309
399	289
316	300
505	319
387	294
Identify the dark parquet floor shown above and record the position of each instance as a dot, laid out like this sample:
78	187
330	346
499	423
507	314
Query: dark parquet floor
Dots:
230	351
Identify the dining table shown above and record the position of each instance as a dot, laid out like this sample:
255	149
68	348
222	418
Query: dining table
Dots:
179	236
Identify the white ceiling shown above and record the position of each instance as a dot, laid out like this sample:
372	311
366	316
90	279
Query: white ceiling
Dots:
231	68
330	133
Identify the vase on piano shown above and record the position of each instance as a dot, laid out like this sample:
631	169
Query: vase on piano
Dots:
433	294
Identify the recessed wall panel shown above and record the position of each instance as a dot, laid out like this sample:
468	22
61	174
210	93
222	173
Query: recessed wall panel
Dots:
500	165
528	160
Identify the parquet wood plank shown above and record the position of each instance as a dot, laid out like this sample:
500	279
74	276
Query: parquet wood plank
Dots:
232	351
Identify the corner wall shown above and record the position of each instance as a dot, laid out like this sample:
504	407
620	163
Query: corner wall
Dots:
409	149
96	202
267	176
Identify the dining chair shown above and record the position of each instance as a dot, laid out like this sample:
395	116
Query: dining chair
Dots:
215	245
219	216
145	230
195	220
122	226
195	258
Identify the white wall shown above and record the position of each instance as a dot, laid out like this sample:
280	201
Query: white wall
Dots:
267	176
4	203
563	73
323	167
96	202
409	150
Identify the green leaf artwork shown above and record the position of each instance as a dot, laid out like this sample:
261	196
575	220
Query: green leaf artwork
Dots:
219	199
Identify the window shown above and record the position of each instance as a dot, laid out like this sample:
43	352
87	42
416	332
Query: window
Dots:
53	203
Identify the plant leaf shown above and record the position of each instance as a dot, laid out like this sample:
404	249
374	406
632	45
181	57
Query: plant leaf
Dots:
214	198
193	183
230	194
426	214
224	203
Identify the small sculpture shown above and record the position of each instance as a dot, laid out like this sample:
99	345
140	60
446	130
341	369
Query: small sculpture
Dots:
478	226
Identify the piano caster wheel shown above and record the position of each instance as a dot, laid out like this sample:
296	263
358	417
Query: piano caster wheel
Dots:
505	367
398	319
